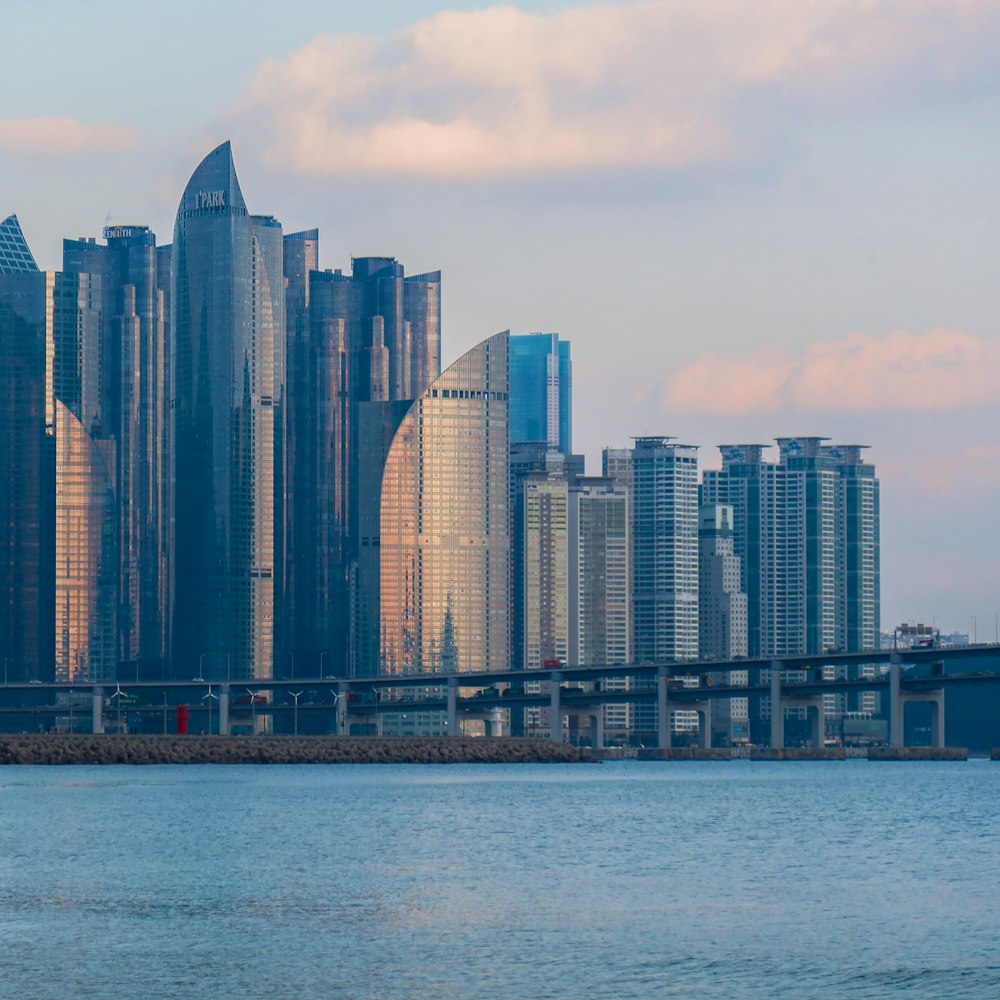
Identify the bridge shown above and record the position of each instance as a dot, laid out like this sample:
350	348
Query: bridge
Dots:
565	691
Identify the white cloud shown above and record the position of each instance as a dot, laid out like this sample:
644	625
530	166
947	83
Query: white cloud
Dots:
934	371
58	136
500	92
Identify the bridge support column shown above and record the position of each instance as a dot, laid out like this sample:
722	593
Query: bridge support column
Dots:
704	710
597	727
223	709
895	703
937	719
453	727
97	710
663	707
555	707
936	700
340	708
777	708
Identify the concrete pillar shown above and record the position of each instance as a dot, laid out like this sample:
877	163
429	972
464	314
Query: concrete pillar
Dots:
97	710
663	707
340	708
453	727
895	703
223	709
597	727
937	719
818	722
777	707
555	708
705	733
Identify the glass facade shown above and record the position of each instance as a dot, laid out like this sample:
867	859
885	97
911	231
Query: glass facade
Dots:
444	536
541	390
355	341
86	537
27	458
15	256
133	379
227	431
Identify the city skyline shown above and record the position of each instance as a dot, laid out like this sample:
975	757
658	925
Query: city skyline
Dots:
822	266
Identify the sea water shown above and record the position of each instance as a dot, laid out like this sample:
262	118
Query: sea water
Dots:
625	879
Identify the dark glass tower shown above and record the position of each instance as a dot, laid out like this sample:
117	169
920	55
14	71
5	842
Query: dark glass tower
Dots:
27	461
227	364
132	398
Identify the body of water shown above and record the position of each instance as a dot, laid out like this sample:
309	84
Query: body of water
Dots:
625	879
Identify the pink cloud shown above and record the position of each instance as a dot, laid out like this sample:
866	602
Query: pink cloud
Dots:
938	370
501	92
57	136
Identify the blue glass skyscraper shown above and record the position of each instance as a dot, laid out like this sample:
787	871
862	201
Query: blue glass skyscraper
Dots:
227	375
541	390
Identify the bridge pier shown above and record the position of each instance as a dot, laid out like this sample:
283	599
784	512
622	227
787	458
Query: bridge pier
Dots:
777	710
224	709
898	700
594	714
97	710
818	725
340	708
555	706
662	708
779	702
704	710
453	727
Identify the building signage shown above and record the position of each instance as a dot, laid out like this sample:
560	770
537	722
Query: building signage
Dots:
209	199
124	232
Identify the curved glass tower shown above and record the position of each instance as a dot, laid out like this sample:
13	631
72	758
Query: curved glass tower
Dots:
227	428
444	535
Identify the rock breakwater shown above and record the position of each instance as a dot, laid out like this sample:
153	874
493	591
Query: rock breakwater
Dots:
78	748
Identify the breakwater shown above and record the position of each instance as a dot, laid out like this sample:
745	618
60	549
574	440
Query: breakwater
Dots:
76	748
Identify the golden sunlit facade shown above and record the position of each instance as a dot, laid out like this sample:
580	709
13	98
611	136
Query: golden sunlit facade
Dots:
444	526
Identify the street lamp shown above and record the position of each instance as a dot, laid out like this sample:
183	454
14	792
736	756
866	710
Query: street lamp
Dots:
296	695
253	712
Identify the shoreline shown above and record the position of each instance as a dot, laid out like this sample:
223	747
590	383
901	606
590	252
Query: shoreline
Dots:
80	748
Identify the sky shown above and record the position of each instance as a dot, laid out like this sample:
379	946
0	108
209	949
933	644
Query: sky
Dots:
751	220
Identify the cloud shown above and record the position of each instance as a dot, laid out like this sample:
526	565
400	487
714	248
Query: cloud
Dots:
501	92
58	136
937	371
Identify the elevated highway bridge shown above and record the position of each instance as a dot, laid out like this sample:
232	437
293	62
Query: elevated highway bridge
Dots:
564	690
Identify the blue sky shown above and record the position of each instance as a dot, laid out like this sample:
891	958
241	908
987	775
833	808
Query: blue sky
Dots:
751	220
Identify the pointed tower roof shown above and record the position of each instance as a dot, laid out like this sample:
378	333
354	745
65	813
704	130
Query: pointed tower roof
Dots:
214	188
15	257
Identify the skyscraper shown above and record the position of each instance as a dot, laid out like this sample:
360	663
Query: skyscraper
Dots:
807	531
86	511
130	357
541	390
440	558
355	341
661	478
27	458
722	615
600	586
227	376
